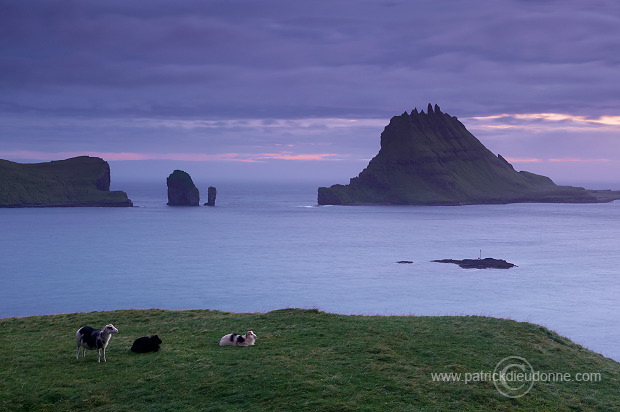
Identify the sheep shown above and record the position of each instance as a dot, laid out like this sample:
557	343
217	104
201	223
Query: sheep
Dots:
146	344
232	339
89	338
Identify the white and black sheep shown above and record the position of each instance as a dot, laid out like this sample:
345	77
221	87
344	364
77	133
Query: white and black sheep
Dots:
89	338
232	339
146	344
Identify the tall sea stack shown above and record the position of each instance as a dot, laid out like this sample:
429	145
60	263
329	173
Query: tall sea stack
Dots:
181	190
432	159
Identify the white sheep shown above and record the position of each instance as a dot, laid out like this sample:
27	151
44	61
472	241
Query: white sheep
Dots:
89	338
232	339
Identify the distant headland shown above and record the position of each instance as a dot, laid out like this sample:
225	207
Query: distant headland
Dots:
76	182
432	159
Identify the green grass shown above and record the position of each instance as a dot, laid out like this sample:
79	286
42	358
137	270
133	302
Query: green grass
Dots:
304	360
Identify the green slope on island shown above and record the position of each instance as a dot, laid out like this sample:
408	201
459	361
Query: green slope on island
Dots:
303	360
432	159
79	181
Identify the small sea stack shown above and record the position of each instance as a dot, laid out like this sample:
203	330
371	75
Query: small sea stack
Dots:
211	194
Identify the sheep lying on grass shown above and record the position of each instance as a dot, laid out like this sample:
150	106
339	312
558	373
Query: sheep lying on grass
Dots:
146	344
232	339
89	338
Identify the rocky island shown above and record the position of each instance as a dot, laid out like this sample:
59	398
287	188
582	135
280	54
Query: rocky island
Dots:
432	159
75	182
181	189
486	263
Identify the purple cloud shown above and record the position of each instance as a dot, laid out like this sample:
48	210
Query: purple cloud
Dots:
114	76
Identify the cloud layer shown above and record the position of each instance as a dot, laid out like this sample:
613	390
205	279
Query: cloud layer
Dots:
306	80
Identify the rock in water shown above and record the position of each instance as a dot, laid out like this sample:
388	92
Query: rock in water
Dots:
211	194
181	190
432	159
486	263
76	182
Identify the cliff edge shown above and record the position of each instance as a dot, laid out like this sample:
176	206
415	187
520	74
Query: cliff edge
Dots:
76	182
432	159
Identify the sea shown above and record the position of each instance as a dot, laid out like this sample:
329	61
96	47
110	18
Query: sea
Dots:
267	246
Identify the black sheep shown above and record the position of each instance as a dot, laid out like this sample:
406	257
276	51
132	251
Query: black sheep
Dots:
146	344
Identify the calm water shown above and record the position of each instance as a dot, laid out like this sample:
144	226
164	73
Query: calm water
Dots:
269	247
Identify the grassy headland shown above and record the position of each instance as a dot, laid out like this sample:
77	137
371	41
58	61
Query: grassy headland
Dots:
79	181
303	360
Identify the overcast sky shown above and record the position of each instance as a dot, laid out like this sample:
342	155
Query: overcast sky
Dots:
303	89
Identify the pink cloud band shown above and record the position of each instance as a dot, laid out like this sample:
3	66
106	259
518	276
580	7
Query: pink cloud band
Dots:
554	160
190	157
558	117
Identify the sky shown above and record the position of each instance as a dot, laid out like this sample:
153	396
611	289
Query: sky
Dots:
280	89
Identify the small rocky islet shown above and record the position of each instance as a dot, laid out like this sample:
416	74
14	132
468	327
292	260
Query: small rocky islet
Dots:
486	263
181	189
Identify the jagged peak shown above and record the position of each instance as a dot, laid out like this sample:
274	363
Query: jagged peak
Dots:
430	110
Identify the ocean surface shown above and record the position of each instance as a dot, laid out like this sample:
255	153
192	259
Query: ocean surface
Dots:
268	246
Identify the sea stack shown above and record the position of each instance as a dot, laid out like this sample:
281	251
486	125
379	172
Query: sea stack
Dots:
211	194
181	190
81	181
432	159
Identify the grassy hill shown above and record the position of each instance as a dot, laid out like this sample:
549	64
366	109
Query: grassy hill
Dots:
304	360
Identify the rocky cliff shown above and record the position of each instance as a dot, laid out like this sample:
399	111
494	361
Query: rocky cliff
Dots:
79	181
432	159
181	189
